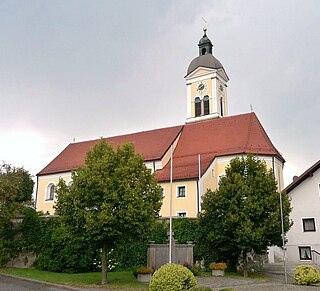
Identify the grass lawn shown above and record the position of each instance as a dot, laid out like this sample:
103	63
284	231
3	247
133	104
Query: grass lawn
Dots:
116	280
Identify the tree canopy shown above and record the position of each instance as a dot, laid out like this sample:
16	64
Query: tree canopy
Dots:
16	188
243	215
113	197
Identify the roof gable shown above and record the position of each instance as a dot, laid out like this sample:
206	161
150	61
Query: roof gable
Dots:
309	172
217	137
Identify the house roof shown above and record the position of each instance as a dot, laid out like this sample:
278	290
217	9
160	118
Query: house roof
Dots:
216	137
152	144
210	138
308	173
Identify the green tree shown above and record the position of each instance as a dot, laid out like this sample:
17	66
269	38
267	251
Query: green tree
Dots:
243	215
114	197
16	188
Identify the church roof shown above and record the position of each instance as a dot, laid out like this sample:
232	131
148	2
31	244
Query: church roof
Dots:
206	61
152	144
211	138
308	173
240	134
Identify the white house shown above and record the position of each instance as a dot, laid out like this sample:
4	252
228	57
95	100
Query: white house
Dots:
304	237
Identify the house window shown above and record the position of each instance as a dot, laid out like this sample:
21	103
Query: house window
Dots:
206	105
181	191
182	214
197	106
305	253
308	224
50	192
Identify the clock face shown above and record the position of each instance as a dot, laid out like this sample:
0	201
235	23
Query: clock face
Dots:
201	86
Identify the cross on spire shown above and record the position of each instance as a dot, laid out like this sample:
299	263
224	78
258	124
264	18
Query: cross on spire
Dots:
204	25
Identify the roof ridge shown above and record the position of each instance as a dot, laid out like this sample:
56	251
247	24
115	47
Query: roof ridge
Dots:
128	134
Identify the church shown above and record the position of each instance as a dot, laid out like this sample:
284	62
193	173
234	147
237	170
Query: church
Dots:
201	148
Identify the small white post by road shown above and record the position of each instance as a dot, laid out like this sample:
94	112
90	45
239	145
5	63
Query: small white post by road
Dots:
170	232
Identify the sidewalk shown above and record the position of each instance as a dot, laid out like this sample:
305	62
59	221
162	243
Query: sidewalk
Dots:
274	283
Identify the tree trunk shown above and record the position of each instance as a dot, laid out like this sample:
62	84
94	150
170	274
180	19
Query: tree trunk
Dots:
245	264
104	264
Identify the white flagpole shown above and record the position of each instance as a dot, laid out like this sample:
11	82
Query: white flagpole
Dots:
199	196
170	233
283	241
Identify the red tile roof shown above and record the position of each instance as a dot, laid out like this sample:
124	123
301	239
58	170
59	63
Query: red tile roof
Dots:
217	137
302	177
152	144
211	138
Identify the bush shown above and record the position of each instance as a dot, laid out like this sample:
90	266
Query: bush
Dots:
172	277
306	275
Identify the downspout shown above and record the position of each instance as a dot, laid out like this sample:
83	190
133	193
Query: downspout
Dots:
273	167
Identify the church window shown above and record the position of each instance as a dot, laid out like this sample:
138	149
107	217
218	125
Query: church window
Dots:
221	106
206	105
50	192
181	191
203	51
305	253
308	224
197	106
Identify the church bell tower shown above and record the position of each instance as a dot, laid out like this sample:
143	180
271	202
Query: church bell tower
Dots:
206	82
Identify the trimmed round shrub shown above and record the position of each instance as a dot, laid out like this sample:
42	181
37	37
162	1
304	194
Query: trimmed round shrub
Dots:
306	275
172	277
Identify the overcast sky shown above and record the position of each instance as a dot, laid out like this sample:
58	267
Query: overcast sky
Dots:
86	69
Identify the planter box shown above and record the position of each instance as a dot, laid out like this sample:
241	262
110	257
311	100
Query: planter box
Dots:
144	278
218	273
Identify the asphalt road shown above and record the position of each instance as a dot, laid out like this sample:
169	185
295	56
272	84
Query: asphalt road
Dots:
17	284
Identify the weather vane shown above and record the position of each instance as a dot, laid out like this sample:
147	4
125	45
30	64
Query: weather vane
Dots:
204	24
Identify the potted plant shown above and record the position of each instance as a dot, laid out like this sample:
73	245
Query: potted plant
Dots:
218	269
143	274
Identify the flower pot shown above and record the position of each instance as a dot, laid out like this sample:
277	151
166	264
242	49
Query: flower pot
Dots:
218	273
144	278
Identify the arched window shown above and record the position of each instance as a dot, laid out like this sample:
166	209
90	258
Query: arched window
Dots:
206	105
197	106
221	105
50	192
203	51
